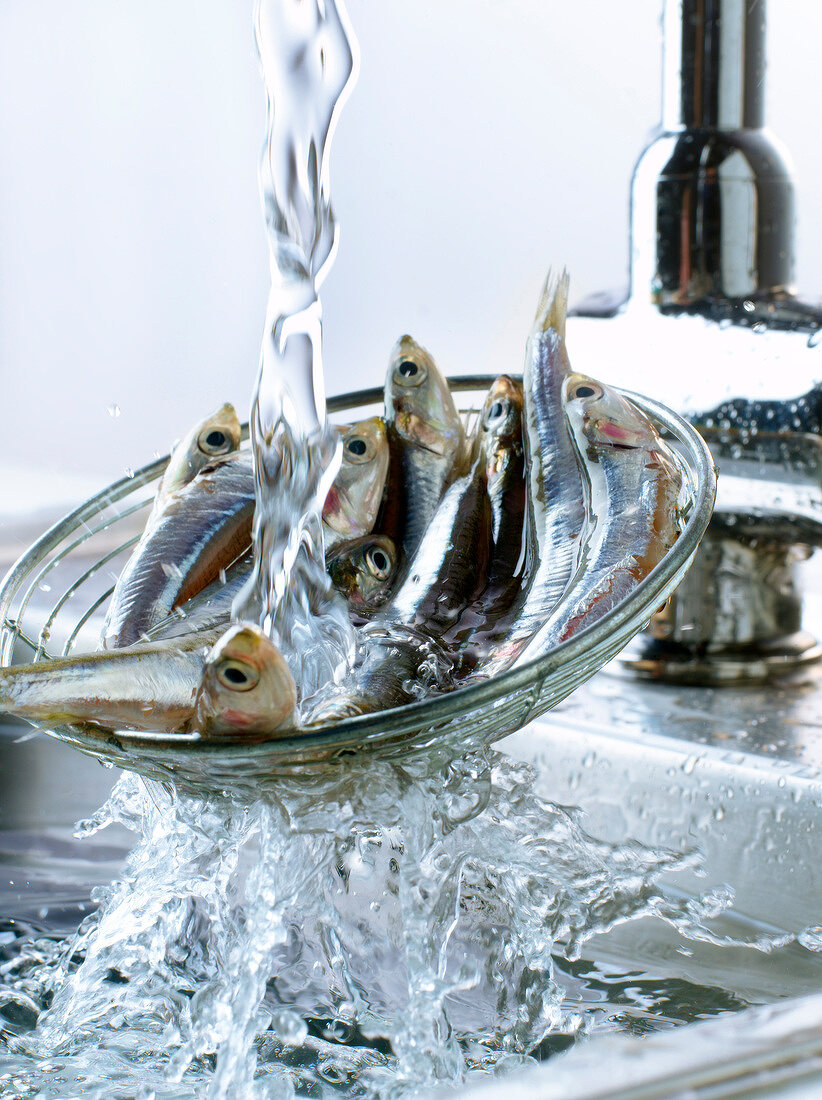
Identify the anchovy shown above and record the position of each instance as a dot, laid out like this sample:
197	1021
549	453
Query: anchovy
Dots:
209	609
502	447
428	433
555	513
202	527
246	689
151	686
631	483
216	437
209	683
363	570
353	502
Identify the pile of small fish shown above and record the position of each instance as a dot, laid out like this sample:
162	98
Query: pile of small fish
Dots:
459	555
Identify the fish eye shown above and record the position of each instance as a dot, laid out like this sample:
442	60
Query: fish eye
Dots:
378	562
214	441
409	373
357	449
584	390
237	676
496	413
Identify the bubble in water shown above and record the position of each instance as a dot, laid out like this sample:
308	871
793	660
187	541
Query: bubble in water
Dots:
811	938
291	1028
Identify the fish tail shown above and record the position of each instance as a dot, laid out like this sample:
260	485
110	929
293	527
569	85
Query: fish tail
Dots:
553	303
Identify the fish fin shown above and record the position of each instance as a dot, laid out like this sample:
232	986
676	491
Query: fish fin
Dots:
470	418
553	303
473	447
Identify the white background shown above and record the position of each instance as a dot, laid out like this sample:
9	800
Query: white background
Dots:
484	142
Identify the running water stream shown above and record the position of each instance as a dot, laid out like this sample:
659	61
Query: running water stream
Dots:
309	62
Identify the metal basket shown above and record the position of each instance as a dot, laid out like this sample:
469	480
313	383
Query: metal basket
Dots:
53	600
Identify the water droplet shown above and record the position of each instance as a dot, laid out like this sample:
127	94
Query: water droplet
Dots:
811	938
45	587
129	471
291	1028
748	306
113	411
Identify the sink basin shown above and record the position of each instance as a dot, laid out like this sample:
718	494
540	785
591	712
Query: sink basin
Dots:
736	773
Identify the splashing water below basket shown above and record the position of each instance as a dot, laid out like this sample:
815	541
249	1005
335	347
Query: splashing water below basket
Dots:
367	933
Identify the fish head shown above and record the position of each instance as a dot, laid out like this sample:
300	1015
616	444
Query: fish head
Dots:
419	402
501	421
246	686
209	441
604	417
364	570
354	499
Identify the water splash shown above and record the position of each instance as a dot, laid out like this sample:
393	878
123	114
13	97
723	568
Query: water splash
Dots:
380	930
309	61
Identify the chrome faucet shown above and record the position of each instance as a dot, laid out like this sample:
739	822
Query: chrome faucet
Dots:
712	258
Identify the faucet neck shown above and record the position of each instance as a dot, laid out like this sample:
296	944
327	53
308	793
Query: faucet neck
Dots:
712	197
713	64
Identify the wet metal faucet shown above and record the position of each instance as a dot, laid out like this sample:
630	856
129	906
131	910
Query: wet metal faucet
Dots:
712	306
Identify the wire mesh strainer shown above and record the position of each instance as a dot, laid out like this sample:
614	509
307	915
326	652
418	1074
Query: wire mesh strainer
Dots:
53	600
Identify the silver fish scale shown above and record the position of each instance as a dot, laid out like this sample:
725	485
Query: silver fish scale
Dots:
555	513
152	579
426	476
624	488
556	483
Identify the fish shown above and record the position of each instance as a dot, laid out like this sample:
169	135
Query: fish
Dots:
151	686
555	510
208	441
200	528
246	687
428	435
364	570
188	686
501	444
210	608
631	483
353	502
402	653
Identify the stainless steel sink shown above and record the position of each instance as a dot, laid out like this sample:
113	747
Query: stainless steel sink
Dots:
736	772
